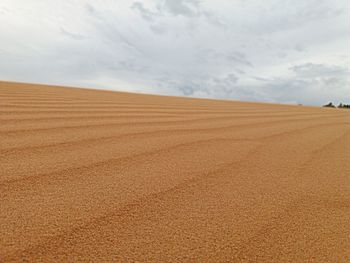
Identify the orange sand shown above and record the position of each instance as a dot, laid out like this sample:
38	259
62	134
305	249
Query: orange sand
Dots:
101	176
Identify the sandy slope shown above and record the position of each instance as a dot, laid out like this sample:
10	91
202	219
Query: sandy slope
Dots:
103	176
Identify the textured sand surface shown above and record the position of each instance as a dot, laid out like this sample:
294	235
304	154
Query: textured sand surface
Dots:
104	176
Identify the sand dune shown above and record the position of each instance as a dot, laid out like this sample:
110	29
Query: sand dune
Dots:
96	176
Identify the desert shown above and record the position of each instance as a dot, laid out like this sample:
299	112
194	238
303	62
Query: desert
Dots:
92	175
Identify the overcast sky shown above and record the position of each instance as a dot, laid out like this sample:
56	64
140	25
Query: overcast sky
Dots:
286	51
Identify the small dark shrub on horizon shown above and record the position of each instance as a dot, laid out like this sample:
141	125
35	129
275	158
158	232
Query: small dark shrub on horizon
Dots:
344	106
329	105
340	106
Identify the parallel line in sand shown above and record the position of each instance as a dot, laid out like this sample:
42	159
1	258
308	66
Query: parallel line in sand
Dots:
128	124
34	116
104	106
105	122
112	98
45	100
54	103
49	102
243	113
117	160
293	205
132	135
154	190
129	209
122	113
117	111
38	97
68	100
154	121
179	111
163	110
322	149
97	106
88	117
57	104
161	132
121	211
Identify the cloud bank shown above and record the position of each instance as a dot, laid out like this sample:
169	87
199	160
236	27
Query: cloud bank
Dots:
287	51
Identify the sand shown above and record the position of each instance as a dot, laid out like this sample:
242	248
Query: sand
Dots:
100	176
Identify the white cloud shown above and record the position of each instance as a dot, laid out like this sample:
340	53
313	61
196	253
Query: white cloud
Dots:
273	50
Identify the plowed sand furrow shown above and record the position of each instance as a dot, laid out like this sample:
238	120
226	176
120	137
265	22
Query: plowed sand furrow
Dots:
37	120
68	115
90	106
89	175
68	158
136	209
55	103
128	153
98	151
13	140
44	116
205	122
59	116
13	102
96	122
95	107
105	122
36	101
179	111
314	219
37	97
114	111
115	180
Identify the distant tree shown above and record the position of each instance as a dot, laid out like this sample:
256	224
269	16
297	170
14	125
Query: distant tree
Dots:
329	105
344	106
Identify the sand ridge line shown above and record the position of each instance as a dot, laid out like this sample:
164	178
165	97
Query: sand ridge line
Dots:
34	118
122	159
130	121
161	132
72	127
166	149
251	182
126	208
127	211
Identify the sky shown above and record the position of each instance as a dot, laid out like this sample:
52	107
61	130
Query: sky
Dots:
284	51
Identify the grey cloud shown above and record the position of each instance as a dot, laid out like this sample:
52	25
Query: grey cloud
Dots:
203	86
293	14
240	71
275	50
261	78
185	8
239	58
3	10
187	89
312	83
72	35
90	9
300	48
94	13
181	7
319	70
145	13
282	55
158	29
188	8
